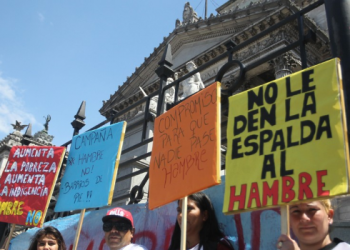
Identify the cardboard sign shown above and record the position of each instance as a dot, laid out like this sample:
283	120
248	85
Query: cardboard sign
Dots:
286	141
27	183
186	148
92	166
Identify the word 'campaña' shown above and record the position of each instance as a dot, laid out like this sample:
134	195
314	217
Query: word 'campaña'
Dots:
93	137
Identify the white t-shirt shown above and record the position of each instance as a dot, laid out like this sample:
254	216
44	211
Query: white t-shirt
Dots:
342	246
196	247
133	247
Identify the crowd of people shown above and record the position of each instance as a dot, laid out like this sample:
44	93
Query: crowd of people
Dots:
310	223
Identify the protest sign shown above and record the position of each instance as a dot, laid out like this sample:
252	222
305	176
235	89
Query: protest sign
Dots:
92	166
26	185
286	141
186	148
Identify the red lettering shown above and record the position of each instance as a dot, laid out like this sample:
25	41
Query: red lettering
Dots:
270	192
320	183
304	186
254	195
239	198
288	193
203	153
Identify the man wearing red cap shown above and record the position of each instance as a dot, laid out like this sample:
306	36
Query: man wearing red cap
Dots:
118	226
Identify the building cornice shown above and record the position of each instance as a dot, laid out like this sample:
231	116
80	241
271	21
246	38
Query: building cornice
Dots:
239	25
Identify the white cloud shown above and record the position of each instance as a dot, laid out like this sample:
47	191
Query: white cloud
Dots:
11	106
6	89
41	17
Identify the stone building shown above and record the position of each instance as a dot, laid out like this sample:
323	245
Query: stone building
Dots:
202	40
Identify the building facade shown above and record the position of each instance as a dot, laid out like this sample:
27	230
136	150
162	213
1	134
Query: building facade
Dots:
203	40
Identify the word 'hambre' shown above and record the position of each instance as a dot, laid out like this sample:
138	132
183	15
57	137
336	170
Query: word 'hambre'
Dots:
288	188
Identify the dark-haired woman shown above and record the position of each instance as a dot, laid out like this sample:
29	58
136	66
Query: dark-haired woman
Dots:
47	238
203	232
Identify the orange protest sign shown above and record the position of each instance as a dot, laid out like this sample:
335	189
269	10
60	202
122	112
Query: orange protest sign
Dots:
186	148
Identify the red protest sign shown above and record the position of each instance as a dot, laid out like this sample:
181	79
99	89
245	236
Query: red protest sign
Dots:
27	182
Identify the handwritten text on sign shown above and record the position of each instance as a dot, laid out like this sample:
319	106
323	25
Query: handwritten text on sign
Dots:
27	182
185	155
286	141
91	169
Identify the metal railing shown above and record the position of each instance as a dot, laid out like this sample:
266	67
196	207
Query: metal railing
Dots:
164	71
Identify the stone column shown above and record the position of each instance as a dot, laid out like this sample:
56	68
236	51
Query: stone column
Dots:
283	64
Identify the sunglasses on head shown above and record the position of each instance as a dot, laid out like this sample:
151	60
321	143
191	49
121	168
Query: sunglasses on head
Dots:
118	225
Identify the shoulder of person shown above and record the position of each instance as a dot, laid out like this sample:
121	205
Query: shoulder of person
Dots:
139	247
224	244
341	245
135	247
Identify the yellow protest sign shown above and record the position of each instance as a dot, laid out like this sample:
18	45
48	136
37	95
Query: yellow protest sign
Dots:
186	148
286	141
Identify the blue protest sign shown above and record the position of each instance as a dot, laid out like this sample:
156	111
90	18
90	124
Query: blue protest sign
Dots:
91	171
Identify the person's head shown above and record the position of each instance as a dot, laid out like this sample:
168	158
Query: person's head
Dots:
47	238
201	220
118	226
310	222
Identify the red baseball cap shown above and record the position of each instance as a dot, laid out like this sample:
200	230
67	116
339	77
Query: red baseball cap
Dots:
119	213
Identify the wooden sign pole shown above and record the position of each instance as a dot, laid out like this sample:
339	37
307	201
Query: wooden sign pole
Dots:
77	234
184	224
285	220
10	236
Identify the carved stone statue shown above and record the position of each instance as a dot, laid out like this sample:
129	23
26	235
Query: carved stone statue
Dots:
18	126
169	93
192	84
189	15
47	120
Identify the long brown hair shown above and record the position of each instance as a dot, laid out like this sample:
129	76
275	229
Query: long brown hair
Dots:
49	230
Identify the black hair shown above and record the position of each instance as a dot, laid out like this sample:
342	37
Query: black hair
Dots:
210	233
49	230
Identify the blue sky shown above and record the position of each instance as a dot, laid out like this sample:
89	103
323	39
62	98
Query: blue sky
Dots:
55	54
